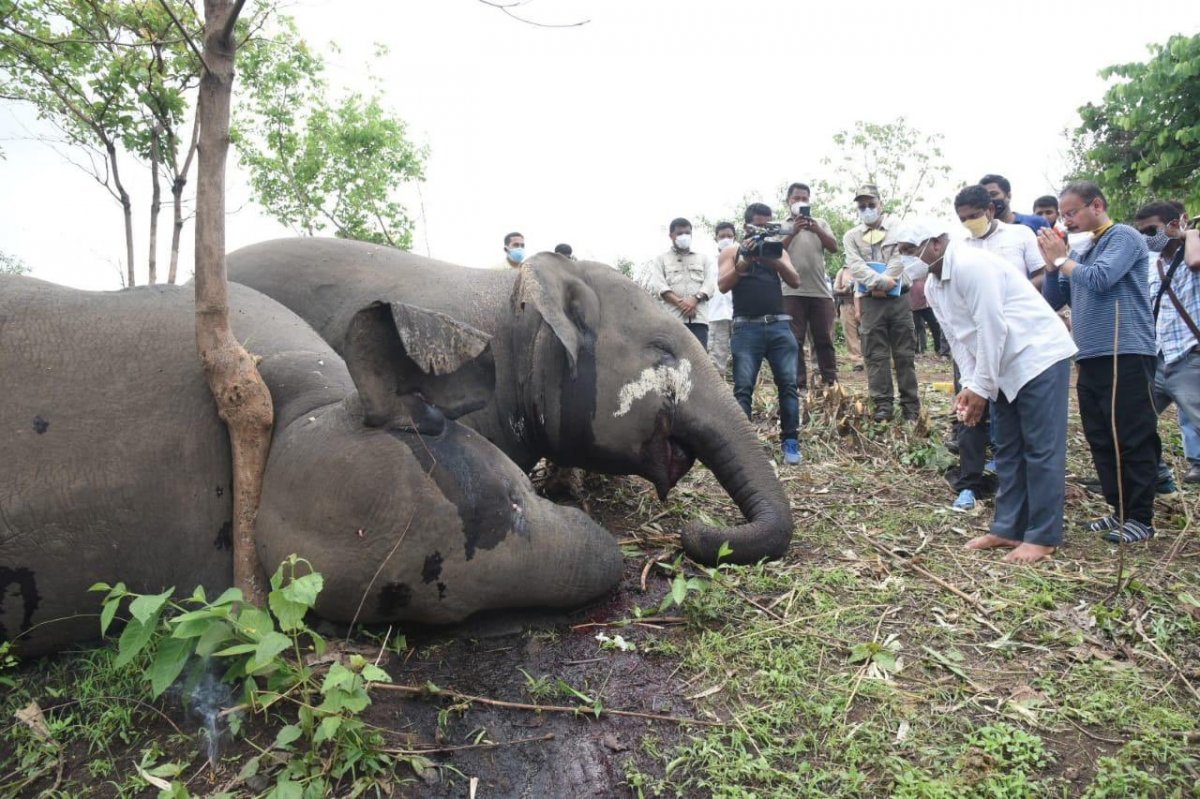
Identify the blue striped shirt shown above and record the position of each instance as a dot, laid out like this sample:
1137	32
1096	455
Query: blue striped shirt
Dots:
1112	271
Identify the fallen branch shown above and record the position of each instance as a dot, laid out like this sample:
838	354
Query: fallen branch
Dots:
417	690
438	750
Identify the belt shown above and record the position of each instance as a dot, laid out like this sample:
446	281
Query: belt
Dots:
903	291
764	320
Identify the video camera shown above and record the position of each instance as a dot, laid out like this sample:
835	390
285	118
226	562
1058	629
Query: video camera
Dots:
766	241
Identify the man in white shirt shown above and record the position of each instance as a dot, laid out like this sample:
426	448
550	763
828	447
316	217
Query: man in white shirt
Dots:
683	281
1013	351
720	308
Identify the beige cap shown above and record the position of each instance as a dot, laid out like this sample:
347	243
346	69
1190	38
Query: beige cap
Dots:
867	190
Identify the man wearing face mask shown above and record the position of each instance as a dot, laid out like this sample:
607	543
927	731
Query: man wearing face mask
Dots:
683	280
888	336
1014	353
720	308
514	252
1000	190
811	305
1108	291
1175	304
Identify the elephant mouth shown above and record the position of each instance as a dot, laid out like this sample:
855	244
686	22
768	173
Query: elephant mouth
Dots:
666	458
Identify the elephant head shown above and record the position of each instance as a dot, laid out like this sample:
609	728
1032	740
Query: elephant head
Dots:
616	385
408	514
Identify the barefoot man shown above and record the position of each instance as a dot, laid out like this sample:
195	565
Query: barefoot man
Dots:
1011	349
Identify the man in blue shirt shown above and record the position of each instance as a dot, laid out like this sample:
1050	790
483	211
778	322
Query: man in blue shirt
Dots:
1106	287
1000	190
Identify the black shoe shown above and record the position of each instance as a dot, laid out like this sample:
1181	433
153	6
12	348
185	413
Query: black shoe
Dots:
951	446
858	367
911	415
1193	474
1093	487
883	415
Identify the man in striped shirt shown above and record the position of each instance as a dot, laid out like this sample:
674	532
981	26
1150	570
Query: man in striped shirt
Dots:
1110	303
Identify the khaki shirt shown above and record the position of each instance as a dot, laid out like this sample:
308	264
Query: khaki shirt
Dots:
687	274
505	264
858	253
808	256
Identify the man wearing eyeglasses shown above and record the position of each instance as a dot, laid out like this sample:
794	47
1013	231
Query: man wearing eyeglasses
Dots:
1107	289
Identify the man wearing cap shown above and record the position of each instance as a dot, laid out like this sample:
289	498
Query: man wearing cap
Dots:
888	336
1013	351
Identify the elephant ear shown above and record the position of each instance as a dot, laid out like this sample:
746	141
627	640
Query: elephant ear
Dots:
404	359
569	306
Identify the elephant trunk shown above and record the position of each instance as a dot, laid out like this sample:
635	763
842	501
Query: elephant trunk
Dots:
715	429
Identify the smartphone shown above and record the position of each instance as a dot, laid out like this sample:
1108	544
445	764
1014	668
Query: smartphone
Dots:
805	212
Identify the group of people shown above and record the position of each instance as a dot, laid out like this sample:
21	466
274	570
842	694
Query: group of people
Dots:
996	291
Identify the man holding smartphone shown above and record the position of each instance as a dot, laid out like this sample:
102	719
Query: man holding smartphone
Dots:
811	304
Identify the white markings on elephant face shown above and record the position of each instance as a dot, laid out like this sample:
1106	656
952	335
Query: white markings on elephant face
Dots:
670	382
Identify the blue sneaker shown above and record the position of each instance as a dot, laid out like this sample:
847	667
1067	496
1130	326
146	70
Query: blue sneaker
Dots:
791	452
965	501
990	467
1166	486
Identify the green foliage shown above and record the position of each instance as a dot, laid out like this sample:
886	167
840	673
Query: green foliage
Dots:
326	747
318	165
907	165
1142	141
12	265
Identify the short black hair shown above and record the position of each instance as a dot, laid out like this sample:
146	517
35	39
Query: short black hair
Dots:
1086	191
1046	201
677	223
724	226
508	239
563	249
1166	210
999	180
757	209
973	197
795	186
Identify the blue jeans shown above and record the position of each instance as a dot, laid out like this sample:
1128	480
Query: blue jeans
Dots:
1179	382
1031	458
750	343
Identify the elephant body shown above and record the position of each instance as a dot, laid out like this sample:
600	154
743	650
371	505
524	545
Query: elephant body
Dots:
588	371
116	466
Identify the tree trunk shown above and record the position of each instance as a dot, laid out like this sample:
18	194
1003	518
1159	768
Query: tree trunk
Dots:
177	185
242	398
155	204
127	209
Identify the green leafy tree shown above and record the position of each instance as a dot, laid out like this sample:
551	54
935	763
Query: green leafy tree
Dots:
906	164
114	77
12	265
1142	140
318	165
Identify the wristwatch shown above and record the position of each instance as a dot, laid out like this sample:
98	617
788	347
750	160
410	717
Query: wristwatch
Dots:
700	296
1058	262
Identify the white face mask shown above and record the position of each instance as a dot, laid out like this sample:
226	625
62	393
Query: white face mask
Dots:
914	267
1080	242
723	244
683	241
797	207
869	216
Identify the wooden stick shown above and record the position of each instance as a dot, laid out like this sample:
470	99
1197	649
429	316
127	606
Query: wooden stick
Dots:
491	745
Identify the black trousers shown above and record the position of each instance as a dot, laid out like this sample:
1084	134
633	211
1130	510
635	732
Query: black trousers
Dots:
1136	428
700	331
925	318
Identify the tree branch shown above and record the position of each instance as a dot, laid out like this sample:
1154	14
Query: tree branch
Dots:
507	9
187	37
231	20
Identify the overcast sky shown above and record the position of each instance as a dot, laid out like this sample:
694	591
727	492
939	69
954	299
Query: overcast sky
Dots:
598	135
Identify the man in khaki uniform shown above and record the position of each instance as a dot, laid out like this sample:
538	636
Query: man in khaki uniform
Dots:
810	305
683	281
514	252
887	324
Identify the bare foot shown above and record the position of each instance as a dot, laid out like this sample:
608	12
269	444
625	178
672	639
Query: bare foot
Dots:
990	541
1029	554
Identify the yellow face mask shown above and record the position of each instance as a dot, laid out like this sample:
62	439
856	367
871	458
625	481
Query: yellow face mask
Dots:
978	227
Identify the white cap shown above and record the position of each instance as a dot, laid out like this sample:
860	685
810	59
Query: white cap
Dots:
918	231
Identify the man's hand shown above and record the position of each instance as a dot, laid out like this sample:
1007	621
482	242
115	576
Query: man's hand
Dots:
969	407
885	284
1052	248
688	307
802	223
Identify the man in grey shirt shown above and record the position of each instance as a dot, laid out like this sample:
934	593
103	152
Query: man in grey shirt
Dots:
810	305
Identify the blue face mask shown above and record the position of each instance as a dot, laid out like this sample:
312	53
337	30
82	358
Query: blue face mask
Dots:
516	255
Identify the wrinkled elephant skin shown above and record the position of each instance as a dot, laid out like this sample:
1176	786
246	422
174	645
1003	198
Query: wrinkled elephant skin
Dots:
117	468
589	371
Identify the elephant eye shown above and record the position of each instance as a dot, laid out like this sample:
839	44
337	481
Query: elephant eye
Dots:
662	352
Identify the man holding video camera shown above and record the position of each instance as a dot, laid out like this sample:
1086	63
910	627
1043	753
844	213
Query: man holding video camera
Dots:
754	273
888	336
